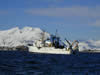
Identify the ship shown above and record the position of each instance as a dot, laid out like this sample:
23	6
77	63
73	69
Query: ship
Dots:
53	45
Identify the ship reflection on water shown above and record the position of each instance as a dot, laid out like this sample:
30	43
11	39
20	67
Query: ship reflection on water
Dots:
24	63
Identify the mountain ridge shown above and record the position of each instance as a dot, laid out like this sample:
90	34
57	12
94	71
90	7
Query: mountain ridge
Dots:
16	36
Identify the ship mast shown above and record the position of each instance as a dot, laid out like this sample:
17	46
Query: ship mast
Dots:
43	37
56	34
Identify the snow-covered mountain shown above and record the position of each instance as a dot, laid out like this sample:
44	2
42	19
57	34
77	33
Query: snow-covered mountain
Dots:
16	37
90	45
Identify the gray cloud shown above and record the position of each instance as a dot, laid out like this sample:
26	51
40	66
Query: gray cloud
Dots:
96	22
79	12
66	11
54	0
3	12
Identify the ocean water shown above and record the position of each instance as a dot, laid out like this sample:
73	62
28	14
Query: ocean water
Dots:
24	63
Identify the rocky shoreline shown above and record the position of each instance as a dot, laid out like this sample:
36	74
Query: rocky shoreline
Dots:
17	48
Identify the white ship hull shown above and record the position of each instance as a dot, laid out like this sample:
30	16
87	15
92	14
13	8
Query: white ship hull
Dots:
48	50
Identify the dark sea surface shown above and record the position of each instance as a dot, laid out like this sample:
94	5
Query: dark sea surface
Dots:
25	63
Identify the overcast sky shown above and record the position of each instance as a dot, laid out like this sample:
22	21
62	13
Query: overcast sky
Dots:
74	19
